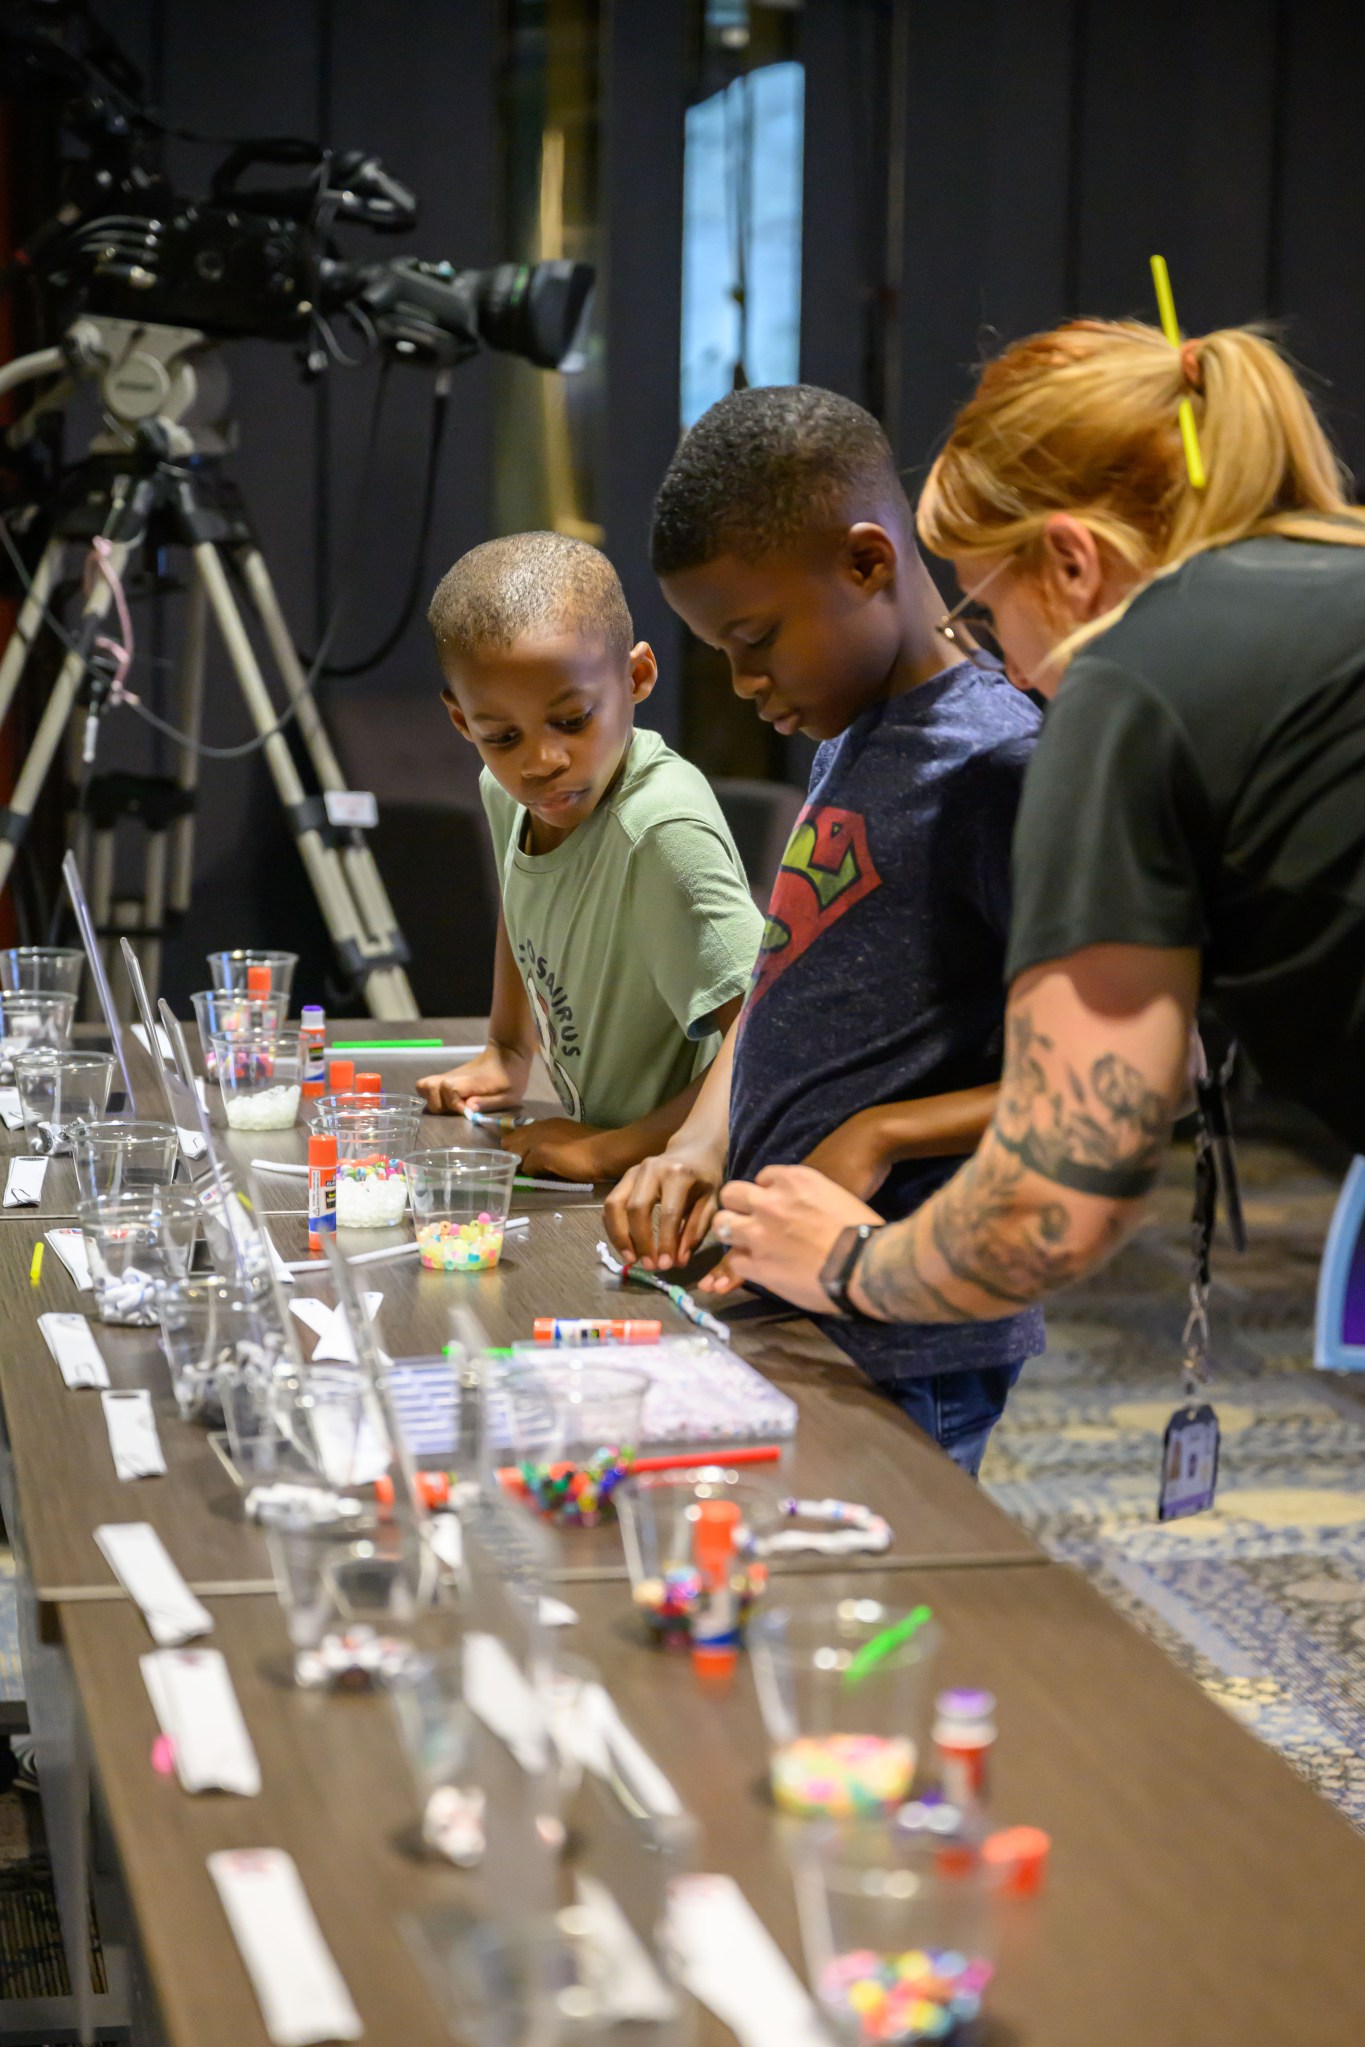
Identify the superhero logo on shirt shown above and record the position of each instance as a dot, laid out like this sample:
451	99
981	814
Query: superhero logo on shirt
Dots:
825	870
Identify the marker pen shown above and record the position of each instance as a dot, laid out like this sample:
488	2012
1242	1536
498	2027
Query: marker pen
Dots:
583	1329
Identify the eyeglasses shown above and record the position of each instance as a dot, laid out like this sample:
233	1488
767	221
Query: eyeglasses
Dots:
968	625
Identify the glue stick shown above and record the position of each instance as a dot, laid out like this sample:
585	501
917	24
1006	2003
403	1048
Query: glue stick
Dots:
322	1189
313	1043
369	1083
715	1625
341	1076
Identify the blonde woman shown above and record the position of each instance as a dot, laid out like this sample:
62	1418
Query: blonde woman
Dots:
1193	821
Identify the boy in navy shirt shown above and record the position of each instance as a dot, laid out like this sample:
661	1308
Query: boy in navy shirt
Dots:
870	1041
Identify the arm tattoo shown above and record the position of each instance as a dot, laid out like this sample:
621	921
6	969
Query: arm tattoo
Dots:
991	1245
1103	1134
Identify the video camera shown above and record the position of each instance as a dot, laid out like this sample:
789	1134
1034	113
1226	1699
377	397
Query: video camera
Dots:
250	259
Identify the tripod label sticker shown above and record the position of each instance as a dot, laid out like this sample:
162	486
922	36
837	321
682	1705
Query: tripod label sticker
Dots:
355	809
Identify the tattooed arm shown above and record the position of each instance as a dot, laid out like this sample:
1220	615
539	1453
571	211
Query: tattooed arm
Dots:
1095	1064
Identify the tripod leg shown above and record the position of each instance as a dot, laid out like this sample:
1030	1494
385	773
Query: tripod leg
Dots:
361	869
187	767
385	988
48	738
45	578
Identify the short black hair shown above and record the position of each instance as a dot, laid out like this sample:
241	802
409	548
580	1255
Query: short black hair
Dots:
764	468
503	588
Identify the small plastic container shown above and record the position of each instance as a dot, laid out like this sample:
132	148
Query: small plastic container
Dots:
843	1689
260	1074
459	1203
662	1519
210	1326
228	1014
45	969
437	1733
135	1245
573	1428
29	1020
371	1186
228	971
123	1156
59	1090
899	1936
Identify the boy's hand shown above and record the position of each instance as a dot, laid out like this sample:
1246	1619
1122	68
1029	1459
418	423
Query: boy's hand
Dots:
854	1156
495	1080
683	1185
558	1145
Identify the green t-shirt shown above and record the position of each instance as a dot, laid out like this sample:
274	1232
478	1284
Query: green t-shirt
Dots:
630	936
1200	781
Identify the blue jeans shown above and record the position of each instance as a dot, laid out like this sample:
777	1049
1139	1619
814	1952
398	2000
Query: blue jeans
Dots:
958	1409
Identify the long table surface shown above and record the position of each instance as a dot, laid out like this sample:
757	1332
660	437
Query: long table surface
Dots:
1198	1894
850	1440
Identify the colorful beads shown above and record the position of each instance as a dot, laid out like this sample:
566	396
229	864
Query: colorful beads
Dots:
576	1495
670	1603
372	1193
922	1994
460	1247
840	1775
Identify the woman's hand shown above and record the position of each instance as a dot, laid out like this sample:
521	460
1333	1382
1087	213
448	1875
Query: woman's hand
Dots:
662	1208
781	1228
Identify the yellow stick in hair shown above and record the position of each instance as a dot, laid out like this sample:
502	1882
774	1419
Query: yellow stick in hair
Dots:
1170	327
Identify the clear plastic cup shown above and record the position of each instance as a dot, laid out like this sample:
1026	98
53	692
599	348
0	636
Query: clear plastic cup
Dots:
260	1074
331	1582
209	1326
30	1019
371	1186
897	1930
843	1686
436	1730
136	1244
228	970
459	1206
57	1091
661	1515
123	1156
227	1014
573	1427
46	969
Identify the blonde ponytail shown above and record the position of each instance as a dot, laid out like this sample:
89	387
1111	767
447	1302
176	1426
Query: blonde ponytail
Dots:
1084	420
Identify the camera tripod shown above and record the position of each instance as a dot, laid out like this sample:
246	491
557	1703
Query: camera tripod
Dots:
141	488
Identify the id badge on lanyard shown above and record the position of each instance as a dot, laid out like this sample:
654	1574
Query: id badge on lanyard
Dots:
1189	1451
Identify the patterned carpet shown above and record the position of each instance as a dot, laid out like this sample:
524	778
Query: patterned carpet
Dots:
1262	1599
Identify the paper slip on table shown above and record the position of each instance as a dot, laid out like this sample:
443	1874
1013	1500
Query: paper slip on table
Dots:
57	1478
1198	1893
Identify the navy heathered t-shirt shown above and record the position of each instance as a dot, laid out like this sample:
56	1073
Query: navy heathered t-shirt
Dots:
881	975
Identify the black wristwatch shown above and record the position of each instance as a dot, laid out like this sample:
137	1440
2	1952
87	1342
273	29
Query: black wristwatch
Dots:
836	1274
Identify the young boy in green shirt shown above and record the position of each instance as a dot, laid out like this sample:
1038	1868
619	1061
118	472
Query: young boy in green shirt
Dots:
627	933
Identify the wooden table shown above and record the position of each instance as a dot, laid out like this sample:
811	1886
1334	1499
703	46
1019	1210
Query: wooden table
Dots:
1199	1894
64	1476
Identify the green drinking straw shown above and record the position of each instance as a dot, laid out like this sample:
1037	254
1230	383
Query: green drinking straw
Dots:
874	1652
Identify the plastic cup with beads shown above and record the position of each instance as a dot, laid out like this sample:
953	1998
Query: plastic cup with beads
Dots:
136	1245
573	1428
221	1012
260	1074
662	1530
459	1202
843	1687
371	1186
899	1938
